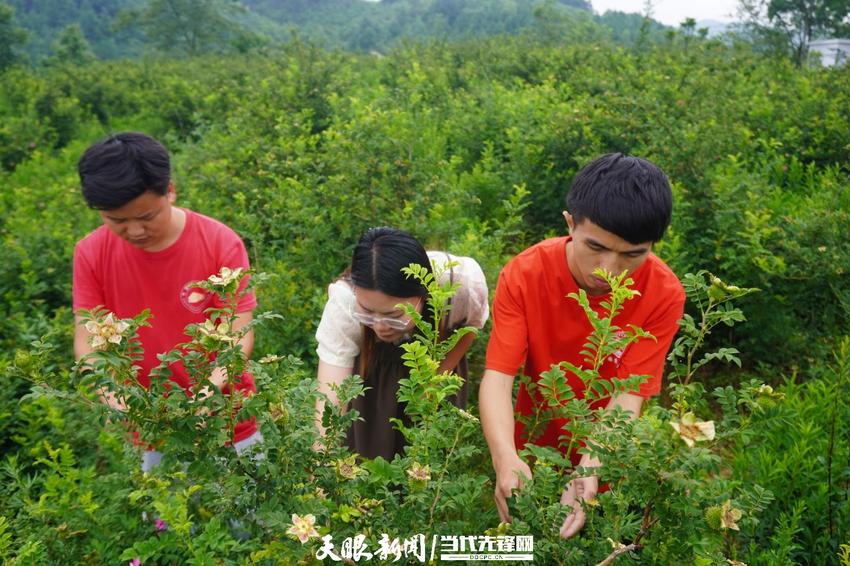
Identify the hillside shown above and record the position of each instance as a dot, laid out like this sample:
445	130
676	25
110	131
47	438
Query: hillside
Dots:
130	28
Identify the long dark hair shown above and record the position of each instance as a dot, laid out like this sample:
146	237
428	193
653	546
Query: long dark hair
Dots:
376	265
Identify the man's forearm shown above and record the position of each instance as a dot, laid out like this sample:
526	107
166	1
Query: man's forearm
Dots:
626	401
247	341
453	357
497	415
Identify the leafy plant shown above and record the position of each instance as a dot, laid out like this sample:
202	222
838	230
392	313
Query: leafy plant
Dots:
663	470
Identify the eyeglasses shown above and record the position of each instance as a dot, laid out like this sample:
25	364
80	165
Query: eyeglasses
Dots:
394	323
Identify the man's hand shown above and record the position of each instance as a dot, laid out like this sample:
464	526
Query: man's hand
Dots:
218	377
585	489
577	491
510	475
109	398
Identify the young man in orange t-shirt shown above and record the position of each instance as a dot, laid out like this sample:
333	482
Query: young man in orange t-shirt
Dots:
618	207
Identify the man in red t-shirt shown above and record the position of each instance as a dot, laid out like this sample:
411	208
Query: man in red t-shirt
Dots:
618	207
145	256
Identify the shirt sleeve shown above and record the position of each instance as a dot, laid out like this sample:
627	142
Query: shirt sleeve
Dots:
87	288
508	345
647	356
470	304
338	334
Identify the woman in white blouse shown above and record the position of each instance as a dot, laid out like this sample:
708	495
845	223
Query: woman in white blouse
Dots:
361	330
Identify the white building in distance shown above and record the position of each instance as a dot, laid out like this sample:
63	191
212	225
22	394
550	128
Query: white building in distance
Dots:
832	51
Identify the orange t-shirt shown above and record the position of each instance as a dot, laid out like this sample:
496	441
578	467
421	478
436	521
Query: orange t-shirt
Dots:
535	325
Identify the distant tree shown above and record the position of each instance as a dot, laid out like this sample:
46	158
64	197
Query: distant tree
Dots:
187	27
287	10
626	28
794	23
687	33
72	47
554	24
11	37
45	21
581	4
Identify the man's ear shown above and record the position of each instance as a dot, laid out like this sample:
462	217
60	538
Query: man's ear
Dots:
570	222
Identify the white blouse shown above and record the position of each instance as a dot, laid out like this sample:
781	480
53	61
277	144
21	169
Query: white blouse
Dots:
339	335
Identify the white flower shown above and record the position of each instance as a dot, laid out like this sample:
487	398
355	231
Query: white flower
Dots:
467	415
303	528
220	332
418	472
225	276
106	331
692	430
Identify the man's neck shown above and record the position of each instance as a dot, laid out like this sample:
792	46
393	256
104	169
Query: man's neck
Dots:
175	229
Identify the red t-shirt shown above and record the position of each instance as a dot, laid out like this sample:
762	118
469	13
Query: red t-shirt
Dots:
536	325
110	272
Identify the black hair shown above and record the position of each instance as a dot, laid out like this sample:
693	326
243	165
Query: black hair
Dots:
121	167
625	195
376	265
379	257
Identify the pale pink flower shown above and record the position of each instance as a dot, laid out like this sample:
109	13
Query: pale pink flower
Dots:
303	528
106	331
219	332
692	430
225	277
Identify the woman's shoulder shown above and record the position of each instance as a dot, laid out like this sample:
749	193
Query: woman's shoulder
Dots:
461	269
470	302
336	316
341	290
338	334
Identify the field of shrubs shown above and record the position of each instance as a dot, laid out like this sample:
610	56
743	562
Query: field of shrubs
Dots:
471	146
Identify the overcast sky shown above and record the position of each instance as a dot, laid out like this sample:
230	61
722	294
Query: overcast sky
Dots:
672	12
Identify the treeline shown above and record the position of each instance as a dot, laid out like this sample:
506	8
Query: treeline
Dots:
113	29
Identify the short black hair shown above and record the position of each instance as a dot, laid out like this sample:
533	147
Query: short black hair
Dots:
625	195
121	167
